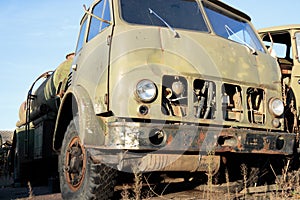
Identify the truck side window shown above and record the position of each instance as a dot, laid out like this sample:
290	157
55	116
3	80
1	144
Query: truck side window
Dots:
101	10
81	36
280	43
298	45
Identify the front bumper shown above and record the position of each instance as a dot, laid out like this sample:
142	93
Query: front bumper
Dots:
143	147
197	139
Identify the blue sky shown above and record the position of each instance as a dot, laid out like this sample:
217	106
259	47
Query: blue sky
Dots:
36	36
265	13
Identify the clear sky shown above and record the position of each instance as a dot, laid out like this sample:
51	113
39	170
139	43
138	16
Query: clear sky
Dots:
36	36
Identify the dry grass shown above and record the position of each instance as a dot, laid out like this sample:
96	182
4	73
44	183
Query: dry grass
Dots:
125	194
138	185
30	190
286	186
136	188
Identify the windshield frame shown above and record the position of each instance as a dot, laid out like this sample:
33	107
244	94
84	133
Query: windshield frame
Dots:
297	42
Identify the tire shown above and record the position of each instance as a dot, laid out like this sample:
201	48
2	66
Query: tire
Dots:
290	112
79	177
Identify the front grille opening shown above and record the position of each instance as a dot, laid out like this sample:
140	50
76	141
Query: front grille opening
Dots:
256	105
204	99
174	96
232	106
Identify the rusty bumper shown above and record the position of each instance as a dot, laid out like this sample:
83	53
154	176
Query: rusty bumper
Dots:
197	139
164	147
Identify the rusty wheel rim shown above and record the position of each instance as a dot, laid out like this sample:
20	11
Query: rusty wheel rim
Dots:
75	164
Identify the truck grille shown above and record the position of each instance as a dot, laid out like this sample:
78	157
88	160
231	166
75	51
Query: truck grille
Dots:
233	103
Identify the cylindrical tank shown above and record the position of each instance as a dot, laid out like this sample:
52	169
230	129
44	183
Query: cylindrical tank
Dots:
44	99
22	115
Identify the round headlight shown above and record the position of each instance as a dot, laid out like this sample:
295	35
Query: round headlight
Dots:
276	106
146	90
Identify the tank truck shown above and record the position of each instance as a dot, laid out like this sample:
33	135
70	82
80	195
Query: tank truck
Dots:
283	42
33	158
164	86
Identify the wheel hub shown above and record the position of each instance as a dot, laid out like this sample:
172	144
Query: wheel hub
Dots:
75	164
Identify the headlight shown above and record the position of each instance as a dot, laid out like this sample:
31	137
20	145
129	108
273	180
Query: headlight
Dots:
146	90
276	107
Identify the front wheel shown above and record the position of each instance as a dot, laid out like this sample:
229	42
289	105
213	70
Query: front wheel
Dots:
80	178
290	113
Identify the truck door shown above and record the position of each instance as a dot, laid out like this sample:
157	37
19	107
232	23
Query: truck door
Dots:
283	43
295	80
92	54
279	45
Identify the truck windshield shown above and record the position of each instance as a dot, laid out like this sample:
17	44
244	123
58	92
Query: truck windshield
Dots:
178	14
233	29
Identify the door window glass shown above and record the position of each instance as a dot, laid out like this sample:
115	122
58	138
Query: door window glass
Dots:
102	11
81	36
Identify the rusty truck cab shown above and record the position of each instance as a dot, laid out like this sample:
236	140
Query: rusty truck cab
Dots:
284	44
167	86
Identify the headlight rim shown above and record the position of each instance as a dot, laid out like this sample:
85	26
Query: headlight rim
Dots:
271	107
138	95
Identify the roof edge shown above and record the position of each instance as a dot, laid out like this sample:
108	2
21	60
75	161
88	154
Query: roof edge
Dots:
278	28
230	8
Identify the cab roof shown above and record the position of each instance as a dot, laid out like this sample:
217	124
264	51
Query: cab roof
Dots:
231	9
280	28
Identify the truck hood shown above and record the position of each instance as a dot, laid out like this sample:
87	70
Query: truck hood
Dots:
209	55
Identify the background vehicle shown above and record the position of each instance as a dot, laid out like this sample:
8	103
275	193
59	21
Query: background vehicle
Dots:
155	86
32	154
285	43
5	146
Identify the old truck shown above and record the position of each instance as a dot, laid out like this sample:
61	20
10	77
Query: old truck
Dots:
165	86
284	43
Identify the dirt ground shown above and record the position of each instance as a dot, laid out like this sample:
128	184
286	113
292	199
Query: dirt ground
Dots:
198	193
8	191
42	193
38	193
175	191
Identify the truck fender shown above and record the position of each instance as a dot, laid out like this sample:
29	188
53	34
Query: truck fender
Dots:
76	103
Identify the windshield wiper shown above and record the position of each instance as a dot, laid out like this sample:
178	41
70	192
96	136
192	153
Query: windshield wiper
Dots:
161	19
228	29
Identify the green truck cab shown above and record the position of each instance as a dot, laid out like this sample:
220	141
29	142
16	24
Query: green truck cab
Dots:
158	86
284	43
